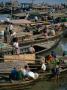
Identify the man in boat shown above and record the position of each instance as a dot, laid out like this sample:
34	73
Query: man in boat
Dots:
12	37
28	73
53	53
16	74
43	66
56	71
6	35
13	74
48	60
10	28
31	49
16	46
36	18
45	32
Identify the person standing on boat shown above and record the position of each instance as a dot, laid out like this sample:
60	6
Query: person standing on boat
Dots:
12	37
56	71
6	35
36	18
11	28
16	46
53	53
48	60
45	32
43	66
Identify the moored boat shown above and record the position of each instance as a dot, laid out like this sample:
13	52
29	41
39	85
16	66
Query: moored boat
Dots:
40	48
7	85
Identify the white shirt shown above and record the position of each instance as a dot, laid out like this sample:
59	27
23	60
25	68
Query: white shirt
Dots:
11	27
16	45
33	75
36	18
24	72
14	34
43	67
31	49
53	32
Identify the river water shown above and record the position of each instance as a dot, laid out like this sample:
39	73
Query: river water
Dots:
51	84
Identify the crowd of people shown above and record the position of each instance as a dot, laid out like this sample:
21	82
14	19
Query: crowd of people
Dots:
50	63
26	73
10	37
51	30
8	32
46	31
20	73
54	64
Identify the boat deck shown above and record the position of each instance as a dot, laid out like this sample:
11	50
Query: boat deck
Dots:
8	66
47	44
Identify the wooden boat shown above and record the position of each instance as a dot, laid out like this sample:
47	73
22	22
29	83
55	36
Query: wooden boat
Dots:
26	38
37	39
6	85
21	84
41	46
40	49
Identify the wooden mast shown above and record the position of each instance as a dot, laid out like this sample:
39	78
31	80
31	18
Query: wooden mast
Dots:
14	5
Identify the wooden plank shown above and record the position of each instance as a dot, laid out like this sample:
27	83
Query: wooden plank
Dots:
29	58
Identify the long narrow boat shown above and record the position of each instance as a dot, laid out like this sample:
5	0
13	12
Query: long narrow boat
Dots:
40	46
15	85
39	38
40	49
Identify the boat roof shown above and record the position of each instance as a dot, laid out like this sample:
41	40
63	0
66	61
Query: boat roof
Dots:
21	21
57	14
20	14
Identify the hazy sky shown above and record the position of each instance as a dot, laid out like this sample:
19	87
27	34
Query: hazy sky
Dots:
40	1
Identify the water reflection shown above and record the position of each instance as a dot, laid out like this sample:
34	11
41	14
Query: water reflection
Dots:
51	84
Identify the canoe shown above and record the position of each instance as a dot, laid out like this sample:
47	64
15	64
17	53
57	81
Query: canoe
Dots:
40	49
24	84
43	47
39	38
24	46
